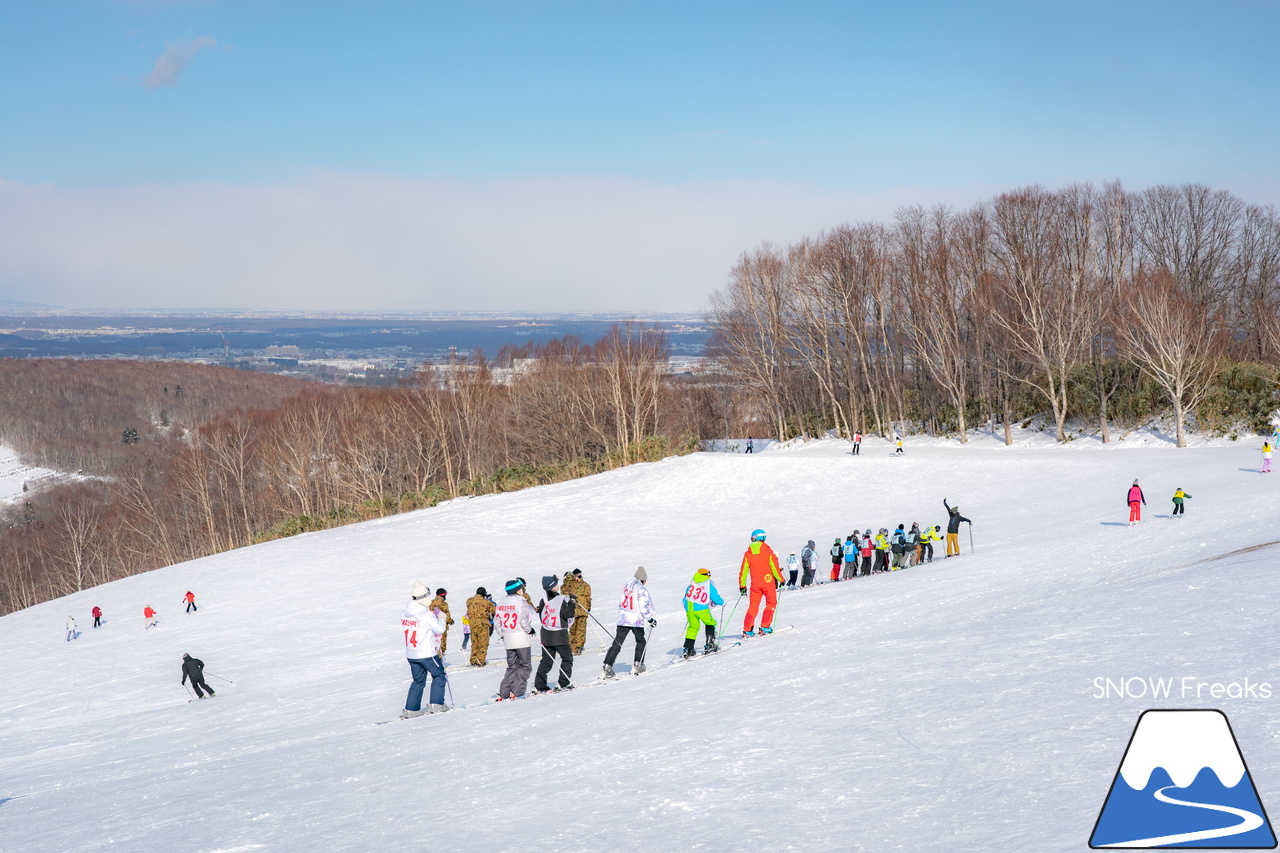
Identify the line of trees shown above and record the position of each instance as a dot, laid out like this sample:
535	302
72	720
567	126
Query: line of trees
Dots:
1097	303
323	456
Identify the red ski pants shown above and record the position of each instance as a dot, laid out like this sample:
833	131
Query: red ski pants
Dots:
770	604
1135	511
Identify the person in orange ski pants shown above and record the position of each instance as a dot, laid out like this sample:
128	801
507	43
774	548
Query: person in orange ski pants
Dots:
761	574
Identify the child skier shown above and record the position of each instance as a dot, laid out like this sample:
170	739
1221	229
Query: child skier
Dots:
97	616
151	616
635	608
930	535
899	546
1178	497
515	621
1136	499
761	575
866	551
699	597
808	558
857	443
557	613
422	627
1266	457
850	556
882	551
793	570
190	599
71	628
837	557
898	442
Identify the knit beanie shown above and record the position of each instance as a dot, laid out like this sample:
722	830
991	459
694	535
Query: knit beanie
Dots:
442	592
512	587
641	574
550	582
419	591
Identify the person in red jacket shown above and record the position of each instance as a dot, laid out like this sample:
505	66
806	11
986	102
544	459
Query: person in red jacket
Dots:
150	613
761	574
97	616
190	599
1136	500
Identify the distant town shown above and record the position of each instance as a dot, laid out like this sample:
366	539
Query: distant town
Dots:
374	349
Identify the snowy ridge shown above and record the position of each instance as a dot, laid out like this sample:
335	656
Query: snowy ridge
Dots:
1183	743
948	707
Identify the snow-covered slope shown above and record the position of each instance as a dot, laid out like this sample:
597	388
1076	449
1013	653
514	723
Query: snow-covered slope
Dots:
946	707
14	475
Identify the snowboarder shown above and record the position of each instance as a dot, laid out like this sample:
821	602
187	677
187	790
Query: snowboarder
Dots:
71	628
761	575
837	557
423	627
634	609
97	616
151	616
480	610
556	612
193	668
1266	457
857	443
190	599
808	556
793	570
515	621
699	597
898	443
438	603
581	591
1136	499
1178	497
953	527
850	557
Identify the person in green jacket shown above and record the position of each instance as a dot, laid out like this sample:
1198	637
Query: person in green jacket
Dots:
1178	497
699	597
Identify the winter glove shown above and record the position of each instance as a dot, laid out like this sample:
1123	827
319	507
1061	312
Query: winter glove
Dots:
742	590
653	623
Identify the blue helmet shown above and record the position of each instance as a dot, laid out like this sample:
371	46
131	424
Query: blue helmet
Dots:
757	535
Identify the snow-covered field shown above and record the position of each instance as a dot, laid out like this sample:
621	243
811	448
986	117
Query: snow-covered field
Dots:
947	707
14	475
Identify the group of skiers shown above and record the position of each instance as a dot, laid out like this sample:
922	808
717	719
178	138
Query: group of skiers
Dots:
1137	500
150	616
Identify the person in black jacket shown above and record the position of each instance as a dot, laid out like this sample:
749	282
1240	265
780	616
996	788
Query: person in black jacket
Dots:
557	612
953	528
193	668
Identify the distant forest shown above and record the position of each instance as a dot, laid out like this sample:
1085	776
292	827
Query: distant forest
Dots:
178	461
1098	304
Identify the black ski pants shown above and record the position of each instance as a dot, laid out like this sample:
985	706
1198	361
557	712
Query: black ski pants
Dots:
806	578
619	636
866	565
1178	509
548	658
880	561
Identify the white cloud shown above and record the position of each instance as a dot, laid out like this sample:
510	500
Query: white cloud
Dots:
177	55
368	242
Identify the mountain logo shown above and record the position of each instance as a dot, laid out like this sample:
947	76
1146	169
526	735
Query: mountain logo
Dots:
1183	783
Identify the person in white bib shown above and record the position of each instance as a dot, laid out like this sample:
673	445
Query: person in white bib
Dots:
699	597
556	612
634	610
515	622
422	628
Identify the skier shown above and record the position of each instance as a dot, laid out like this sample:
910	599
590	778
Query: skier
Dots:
700	596
850	556
634	609
837	557
556	612
190	599
930	535
193	668
808	556
438	603
793	570
913	544
1178	497
857	443
480	610
71	628
581	591
898	544
466	630
953	527
423	628
761	575
898	441
882	551
151	616
97	616
1266	457
514	621
750	445
866	551
1136	499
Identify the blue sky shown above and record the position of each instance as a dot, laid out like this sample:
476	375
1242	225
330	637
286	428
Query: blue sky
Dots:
601	156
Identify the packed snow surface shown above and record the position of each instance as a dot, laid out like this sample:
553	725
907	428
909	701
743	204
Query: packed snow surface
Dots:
14	474
967	704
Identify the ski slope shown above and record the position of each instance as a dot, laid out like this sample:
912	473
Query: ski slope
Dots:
946	707
15	475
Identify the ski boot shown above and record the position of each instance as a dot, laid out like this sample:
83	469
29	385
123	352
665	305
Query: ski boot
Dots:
437	709
710	645
688	649
764	631
608	672
638	669
748	634
406	714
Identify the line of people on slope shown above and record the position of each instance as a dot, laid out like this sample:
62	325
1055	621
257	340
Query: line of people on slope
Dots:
149	614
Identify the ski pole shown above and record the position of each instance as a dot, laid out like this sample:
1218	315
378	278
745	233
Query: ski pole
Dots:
448	686
971	537
741	595
188	689
220	678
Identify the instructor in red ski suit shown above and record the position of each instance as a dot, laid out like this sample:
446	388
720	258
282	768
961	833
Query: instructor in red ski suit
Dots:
761	574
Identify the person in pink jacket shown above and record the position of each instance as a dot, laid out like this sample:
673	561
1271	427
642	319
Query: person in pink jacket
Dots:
1136	500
